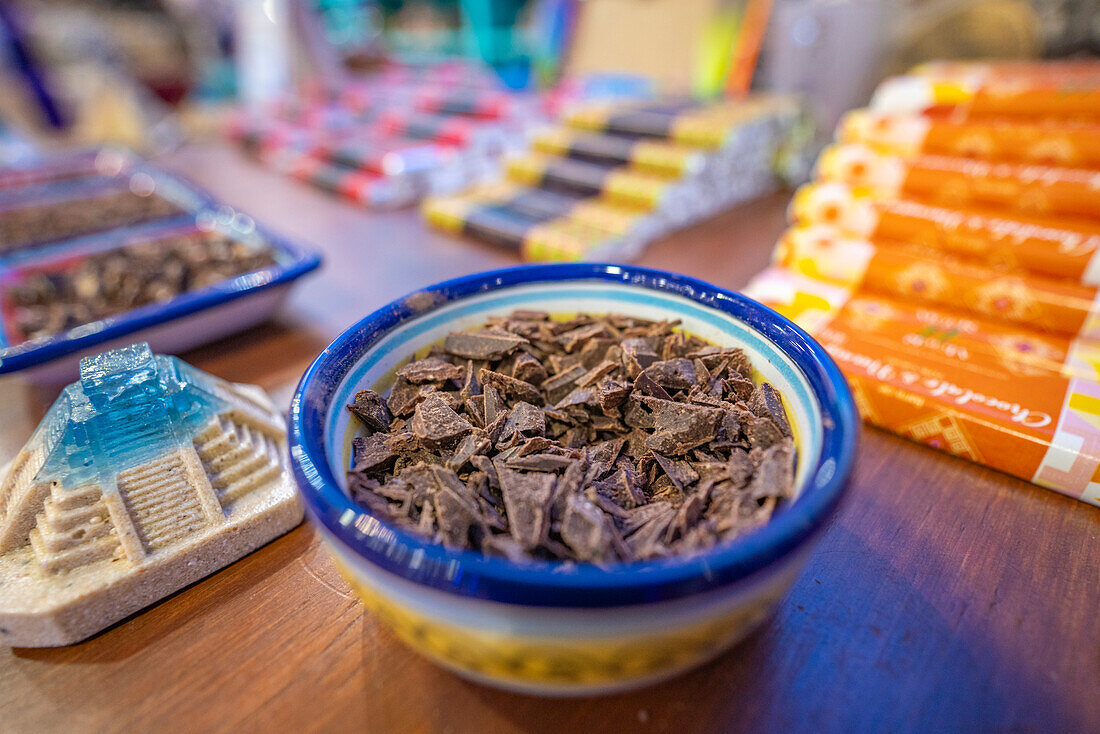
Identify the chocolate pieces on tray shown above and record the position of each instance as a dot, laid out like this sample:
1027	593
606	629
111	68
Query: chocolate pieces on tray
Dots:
49	299
599	439
30	224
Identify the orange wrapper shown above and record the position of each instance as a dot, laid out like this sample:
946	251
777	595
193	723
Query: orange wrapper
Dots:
1070	92
1036	424
1081	72
1046	142
966	182
901	271
1054	247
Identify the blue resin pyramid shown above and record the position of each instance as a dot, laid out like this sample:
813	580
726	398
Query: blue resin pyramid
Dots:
128	407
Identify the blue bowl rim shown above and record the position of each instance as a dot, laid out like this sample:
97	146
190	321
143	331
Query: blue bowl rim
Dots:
470	574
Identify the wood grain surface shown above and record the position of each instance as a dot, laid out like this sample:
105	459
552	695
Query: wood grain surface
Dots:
942	597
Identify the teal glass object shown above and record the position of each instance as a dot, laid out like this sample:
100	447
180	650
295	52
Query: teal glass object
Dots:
128	407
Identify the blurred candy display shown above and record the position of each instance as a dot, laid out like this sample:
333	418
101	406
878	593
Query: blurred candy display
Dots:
947	258
616	176
396	135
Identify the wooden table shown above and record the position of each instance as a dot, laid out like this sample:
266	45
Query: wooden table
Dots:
942	597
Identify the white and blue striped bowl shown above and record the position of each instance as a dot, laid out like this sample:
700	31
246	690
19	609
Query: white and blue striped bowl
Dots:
568	629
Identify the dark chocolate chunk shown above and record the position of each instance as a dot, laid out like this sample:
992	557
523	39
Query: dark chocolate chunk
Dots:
731	423
455	509
774	475
646	385
481	344
467	447
580	396
740	389
493	404
403	397
371	409
528	315
678	427
585	529
740	467
371	454
436	424
680	472
541	462
431	369
672	374
648	541
761	432
510	386
528	419
612	393
596	373
528	369
572	339
564	379
639	354
527	502
766	403
657	444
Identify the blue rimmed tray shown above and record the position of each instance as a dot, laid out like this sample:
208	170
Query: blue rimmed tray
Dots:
170	326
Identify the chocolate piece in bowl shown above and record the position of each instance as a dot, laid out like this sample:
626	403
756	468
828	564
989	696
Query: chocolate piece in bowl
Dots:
574	442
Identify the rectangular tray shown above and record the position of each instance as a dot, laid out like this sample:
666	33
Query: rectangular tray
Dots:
173	325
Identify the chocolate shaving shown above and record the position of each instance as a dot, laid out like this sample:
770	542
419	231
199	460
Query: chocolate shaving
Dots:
431	369
766	403
371	409
599	440
481	344
437	424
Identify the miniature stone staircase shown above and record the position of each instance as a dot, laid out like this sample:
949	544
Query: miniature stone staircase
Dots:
162	504
238	457
74	529
19	499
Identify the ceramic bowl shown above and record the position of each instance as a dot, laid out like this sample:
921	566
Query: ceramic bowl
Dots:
569	629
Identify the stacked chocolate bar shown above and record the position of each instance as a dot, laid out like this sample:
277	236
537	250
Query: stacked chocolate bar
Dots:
616	176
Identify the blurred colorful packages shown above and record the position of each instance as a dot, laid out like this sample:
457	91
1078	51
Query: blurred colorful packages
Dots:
946	256
387	139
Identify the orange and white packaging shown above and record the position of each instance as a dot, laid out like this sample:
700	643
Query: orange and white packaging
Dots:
1058	90
1048	306
965	182
950	384
1053	247
1065	143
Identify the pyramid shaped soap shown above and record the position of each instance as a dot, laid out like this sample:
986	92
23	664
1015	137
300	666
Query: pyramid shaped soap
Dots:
144	476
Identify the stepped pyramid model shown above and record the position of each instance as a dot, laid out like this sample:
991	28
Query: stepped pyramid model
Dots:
144	476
